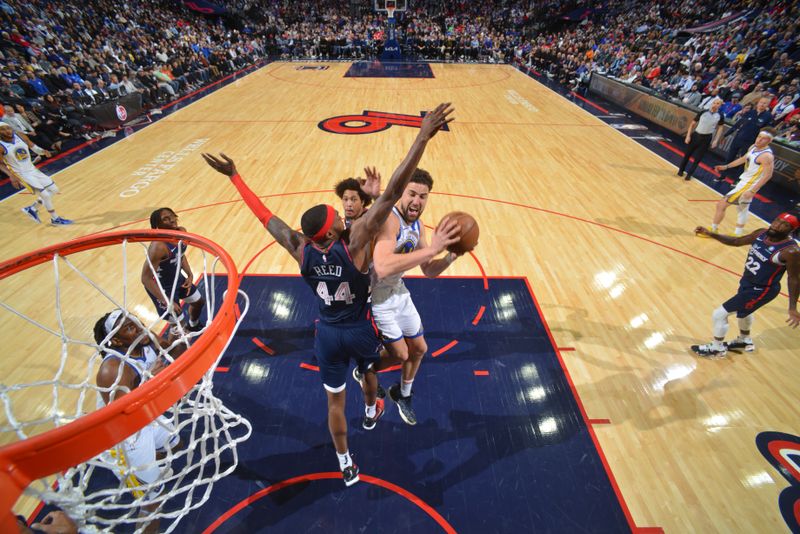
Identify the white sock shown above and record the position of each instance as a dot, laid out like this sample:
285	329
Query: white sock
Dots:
714	228
193	322
344	460
370	410
405	387
718	344
739	231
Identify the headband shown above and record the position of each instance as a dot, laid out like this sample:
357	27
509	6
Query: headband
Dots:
111	320
329	218
791	219
764	132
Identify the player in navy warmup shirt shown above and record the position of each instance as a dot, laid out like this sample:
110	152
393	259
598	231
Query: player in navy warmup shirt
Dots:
772	253
172	273
334	261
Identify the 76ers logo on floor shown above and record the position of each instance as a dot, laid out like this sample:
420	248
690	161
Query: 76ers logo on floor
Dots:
371	122
783	452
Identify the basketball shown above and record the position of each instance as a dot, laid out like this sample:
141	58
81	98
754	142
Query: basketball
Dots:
469	232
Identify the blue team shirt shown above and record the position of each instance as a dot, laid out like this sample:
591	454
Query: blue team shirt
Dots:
169	268
343	292
760	269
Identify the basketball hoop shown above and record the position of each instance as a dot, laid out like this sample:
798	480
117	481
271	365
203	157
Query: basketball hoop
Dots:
71	443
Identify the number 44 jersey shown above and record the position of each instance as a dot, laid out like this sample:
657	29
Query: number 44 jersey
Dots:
343	292
762	267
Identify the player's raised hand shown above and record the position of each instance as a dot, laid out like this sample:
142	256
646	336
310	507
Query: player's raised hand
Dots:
447	233
224	165
437	118
794	318
372	184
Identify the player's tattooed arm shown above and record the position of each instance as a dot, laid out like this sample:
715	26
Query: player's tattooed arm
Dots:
292	240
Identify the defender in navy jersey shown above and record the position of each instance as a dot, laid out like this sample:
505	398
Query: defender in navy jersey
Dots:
173	279
772	253
334	261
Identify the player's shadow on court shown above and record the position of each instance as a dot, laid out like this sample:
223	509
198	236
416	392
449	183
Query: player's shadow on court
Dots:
490	438
579	327
644	227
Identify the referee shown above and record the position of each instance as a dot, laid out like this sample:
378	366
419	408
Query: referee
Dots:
698	138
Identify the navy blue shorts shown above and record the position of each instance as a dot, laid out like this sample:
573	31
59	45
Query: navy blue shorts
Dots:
335	345
750	298
180	294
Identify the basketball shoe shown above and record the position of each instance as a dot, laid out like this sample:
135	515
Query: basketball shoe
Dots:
708	350
350	474
60	221
741	343
31	212
370	422
403	405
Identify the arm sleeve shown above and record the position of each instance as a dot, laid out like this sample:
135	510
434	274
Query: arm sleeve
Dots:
253	202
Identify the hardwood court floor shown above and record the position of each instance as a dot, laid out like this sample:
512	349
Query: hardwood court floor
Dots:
600	226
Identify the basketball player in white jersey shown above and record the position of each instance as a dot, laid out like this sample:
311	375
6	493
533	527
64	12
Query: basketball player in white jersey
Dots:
758	167
401	245
130	358
15	149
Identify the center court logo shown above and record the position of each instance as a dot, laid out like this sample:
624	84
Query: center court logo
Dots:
783	452
371	122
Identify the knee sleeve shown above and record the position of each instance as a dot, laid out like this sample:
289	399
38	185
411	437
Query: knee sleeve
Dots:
47	198
742	212
746	322
720	322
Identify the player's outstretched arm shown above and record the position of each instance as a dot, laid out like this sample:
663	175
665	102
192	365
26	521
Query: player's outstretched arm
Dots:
731	241
292	240
734	163
368	226
791	257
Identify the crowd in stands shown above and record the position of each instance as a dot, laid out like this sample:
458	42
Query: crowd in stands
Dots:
756	56
60	59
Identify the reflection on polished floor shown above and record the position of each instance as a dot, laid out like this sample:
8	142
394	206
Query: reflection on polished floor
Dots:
613	425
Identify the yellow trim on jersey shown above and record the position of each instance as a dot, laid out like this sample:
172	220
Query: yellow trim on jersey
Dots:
18	177
735	197
131	480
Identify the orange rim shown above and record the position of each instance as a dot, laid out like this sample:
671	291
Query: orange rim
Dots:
63	447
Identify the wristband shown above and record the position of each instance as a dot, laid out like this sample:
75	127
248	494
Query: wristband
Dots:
253	202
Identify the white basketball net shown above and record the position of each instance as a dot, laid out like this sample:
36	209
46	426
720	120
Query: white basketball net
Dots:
107	493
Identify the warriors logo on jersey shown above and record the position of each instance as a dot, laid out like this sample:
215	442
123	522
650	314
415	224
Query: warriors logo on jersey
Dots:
21	154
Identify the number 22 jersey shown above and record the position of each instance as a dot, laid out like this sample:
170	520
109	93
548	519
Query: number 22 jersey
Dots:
762	267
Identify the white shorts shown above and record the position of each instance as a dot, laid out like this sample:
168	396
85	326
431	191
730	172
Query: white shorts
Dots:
38	180
397	317
742	186
136	464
